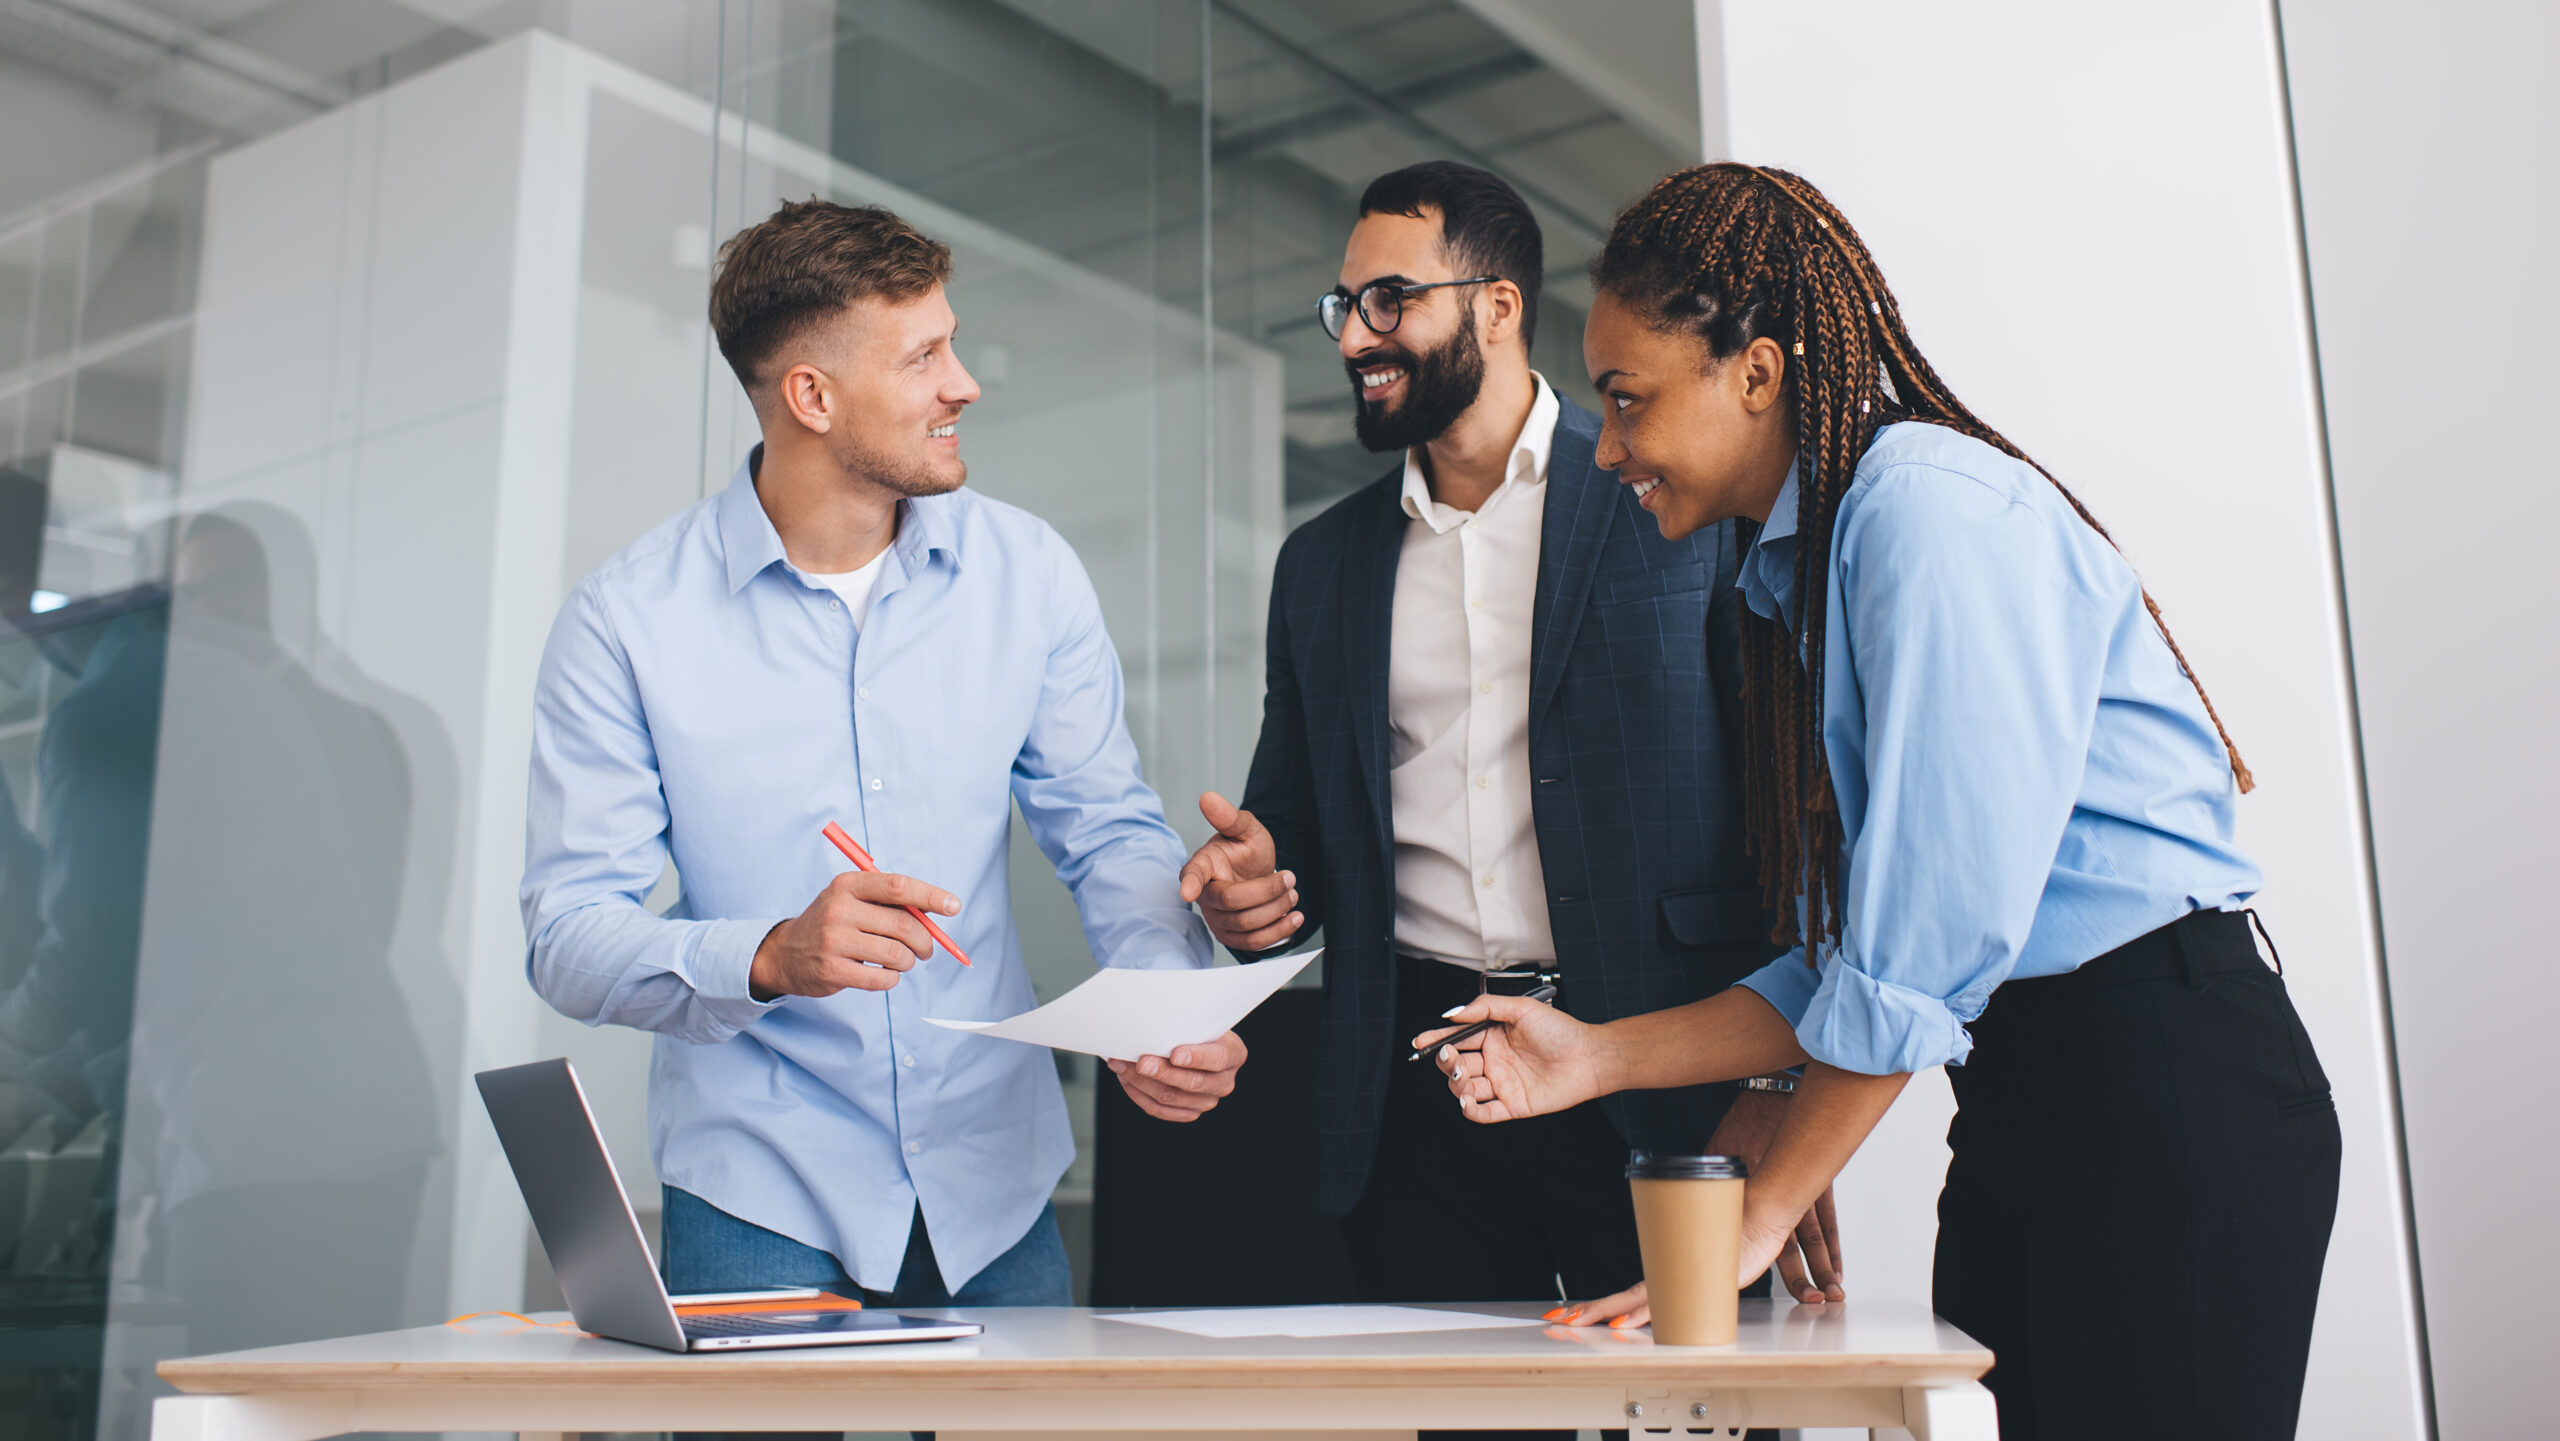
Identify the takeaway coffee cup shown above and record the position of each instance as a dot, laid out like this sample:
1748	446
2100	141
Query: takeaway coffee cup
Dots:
1689	1228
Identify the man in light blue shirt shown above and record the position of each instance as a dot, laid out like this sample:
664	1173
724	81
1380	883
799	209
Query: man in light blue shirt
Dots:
845	634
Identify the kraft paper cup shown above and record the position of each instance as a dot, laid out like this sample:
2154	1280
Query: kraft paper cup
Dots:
1689	1228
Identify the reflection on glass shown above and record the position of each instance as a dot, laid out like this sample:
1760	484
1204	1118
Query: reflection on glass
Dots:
75	815
281	1100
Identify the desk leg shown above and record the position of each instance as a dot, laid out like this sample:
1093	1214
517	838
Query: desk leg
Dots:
1950	1413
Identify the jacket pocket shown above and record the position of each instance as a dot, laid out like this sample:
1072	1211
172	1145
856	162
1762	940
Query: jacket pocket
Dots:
1708	917
1650	584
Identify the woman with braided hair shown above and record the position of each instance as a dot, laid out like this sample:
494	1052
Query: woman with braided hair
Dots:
1993	809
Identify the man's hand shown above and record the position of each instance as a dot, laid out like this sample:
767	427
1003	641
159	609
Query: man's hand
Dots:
1185	1085
1745	1133
856	936
1247	905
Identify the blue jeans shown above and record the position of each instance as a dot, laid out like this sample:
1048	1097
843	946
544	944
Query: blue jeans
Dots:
703	1248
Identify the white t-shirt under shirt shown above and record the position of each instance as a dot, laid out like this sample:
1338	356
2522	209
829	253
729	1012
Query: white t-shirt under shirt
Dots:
854	587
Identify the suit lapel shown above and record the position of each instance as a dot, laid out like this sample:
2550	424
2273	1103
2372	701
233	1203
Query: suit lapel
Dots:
1368	617
1580	500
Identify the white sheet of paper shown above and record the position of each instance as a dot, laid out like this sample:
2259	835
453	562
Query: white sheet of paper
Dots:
1306	1321
1121	1015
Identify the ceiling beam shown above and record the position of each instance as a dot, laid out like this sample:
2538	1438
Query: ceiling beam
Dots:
1377	106
1332	119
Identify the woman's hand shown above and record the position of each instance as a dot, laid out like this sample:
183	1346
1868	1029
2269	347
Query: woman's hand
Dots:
1761	1242
1538	1062
1809	1264
1626	1309
1764	1241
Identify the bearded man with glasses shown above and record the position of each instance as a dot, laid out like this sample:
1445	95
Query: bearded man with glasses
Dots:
1499	750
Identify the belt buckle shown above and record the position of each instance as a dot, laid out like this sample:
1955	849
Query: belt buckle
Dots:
1525	978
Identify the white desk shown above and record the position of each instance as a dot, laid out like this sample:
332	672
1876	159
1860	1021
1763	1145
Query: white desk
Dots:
1047	1371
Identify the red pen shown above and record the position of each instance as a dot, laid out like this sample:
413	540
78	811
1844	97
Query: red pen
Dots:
862	861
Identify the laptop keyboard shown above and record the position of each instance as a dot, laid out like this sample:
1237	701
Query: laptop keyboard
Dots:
778	1324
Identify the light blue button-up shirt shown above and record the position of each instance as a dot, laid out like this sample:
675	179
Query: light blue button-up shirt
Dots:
2026	779
703	700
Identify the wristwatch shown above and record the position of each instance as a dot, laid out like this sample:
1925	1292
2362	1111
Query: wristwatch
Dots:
1781	1085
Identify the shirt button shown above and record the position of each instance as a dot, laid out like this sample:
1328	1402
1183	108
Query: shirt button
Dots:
875	783
1486	686
1474	603
907	1060
835	605
915	1148
1483	781
862	692
1488	883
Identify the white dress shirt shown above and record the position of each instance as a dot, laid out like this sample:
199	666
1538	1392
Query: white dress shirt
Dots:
1469	888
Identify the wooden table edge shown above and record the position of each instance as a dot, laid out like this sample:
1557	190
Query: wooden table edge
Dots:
211	1376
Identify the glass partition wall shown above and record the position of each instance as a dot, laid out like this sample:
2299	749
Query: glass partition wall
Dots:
337	341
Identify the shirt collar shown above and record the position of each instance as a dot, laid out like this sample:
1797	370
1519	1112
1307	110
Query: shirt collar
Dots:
747	537
751	544
1768	578
1529	453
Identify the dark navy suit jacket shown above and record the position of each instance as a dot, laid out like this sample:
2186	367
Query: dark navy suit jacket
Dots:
1634	754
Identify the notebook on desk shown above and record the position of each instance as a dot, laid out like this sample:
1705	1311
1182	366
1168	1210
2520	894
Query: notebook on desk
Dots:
588	1230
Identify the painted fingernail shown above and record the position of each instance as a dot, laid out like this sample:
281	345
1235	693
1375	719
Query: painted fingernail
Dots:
1615	1322
1574	1314
1449	1053
1554	1313
1451	1014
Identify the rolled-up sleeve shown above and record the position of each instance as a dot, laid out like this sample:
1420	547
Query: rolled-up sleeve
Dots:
595	845
1963	668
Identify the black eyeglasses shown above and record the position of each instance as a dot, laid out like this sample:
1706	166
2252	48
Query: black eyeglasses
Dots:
1381	303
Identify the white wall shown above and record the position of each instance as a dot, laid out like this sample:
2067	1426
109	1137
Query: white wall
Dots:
2429	139
2087	214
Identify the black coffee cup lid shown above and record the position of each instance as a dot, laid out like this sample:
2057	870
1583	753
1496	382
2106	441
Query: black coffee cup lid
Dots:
1669	1166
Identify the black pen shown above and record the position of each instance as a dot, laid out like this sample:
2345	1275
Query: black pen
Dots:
1539	992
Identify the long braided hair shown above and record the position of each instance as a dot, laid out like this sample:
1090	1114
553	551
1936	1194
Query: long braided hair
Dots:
1730	253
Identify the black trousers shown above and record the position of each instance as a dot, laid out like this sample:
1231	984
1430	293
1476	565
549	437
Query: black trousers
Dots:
2144	1174
1460	1211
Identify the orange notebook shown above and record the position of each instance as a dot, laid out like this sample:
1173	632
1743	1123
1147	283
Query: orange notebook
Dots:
823	1301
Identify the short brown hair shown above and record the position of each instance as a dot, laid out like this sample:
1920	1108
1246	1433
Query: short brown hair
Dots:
806	262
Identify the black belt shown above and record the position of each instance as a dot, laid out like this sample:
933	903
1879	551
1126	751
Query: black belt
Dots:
1510	981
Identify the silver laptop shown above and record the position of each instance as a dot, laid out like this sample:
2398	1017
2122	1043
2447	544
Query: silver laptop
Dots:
596	1249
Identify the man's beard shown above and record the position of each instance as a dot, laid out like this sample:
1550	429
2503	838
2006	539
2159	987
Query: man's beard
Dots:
1438	388
906	474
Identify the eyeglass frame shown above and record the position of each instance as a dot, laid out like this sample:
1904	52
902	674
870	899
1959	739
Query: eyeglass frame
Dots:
1357	302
